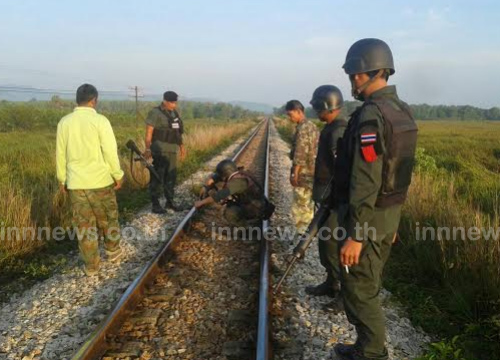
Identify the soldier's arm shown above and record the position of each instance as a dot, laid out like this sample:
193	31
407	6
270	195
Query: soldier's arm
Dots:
366	173
150	125
301	148
236	186
334	140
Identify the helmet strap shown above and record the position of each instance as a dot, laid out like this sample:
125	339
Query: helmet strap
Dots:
357	92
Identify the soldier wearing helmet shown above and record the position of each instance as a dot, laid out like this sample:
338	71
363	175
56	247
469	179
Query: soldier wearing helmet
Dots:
373	173
239	192
327	102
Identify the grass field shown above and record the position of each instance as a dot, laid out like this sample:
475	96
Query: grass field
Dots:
30	195
451	287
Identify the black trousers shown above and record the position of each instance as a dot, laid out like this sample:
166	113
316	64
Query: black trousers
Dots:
165	165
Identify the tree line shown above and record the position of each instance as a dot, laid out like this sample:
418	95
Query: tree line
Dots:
424	112
46	114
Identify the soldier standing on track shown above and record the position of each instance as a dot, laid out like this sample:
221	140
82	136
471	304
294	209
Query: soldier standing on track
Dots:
89	169
164	129
240	192
327	102
303	155
376	161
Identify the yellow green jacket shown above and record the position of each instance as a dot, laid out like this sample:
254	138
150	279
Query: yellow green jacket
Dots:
86	151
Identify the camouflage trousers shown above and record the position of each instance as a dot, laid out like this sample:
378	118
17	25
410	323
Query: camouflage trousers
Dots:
302	208
94	217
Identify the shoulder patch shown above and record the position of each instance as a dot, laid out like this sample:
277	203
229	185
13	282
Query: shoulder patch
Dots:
368	138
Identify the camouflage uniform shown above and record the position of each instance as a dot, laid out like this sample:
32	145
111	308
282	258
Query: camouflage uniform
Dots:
94	216
303	154
243	198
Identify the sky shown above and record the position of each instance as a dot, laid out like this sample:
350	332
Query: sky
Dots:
445	51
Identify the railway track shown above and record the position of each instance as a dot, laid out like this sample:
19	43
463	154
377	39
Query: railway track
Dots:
204	295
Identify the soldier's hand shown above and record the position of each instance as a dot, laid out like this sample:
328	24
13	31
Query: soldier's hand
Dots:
63	188
350	252
183	152
147	154
198	204
118	184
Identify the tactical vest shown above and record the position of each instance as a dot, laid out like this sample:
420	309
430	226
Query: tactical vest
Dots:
253	192
170	132
325	160
400	140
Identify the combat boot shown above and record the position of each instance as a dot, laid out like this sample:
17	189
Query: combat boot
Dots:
328	288
157	208
349	352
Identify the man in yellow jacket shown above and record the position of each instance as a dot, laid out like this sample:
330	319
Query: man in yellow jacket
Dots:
89	169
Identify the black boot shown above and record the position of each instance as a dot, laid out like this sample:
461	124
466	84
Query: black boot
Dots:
328	288
349	352
157	208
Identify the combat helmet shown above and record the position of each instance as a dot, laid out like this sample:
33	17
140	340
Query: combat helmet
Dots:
367	55
226	168
327	97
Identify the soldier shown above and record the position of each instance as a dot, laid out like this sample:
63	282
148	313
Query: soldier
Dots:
242	196
376	159
89	169
303	155
164	129
327	102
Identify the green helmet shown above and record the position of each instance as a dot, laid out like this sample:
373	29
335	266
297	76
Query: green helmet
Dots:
226	168
327	97
367	55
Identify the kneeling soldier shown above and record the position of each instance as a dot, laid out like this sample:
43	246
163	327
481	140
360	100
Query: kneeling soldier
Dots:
240	193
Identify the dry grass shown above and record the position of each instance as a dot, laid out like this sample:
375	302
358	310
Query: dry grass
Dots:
29	191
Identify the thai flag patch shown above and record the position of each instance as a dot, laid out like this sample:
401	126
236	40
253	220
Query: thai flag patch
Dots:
368	138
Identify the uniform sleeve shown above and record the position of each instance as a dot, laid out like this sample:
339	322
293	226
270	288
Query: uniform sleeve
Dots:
301	152
233	187
181	127
151	118
109	149
334	140
61	154
366	174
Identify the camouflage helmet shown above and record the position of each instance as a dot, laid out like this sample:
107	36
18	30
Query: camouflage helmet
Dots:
327	97
225	168
367	55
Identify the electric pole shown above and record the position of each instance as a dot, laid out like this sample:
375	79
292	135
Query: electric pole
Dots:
137	95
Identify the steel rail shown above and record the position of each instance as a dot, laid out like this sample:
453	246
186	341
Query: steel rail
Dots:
95	345
263	347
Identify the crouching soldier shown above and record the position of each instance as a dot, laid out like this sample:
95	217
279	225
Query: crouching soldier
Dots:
242	197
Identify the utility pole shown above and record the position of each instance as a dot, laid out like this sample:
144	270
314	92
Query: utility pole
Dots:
137	95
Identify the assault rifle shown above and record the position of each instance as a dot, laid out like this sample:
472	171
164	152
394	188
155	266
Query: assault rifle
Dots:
134	149
306	239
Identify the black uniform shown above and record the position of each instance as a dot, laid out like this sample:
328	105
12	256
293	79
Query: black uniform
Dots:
322	189
167	137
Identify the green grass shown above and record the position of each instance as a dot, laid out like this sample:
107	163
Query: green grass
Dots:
450	288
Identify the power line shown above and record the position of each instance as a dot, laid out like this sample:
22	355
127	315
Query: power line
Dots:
25	89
